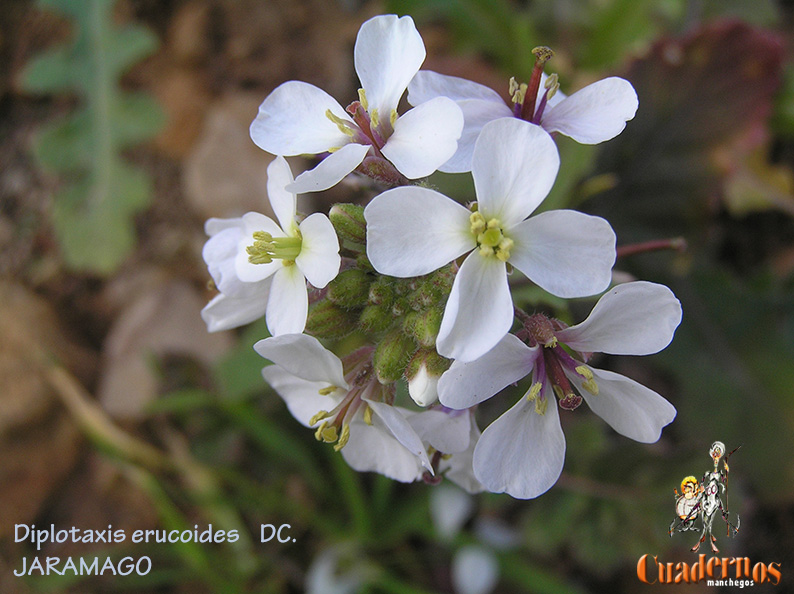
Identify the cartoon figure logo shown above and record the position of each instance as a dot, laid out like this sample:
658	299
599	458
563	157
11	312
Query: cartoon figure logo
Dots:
698	503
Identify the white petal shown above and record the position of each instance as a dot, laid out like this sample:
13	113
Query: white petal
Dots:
372	448
283	202
475	570
231	311
521	453
413	231
630	408
427	85
303	356
401	429
388	53
303	398
450	508
214	226
595	113
220	253
466	384
479	311
288	305
245	270
514	166
458	467
319	259
423	387
446	431
637	318
425	137
567	253
331	170
476	113
292	121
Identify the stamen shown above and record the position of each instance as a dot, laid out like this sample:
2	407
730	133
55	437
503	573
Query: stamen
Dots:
267	248
542	55
323	414
362	98
368	415
393	117
477	223
550	90
343	438
541	404
343	125
533	392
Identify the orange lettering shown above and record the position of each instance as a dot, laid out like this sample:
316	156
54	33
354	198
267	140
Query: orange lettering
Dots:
774	571
642	569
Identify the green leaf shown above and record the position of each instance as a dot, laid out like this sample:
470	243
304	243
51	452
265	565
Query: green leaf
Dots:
93	212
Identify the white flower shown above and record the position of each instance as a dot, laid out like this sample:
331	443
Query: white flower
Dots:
345	405
412	231
261	267
594	114
298	118
475	570
522	452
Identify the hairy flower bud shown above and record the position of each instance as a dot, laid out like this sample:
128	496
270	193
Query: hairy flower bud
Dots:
348	221
423	373
392	355
423	326
350	289
375	318
328	320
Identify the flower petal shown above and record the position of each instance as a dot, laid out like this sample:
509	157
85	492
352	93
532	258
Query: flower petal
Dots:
237	309
331	170
387	55
567	253
288	304
521	453
479	311
319	259
458	467
595	113
476	113
292	121
427	85
303	398
425	137
283	202
465	384
401	429
630	408
637	318
514	166
412	231
447	431
220	252
372	448
303	355
475	570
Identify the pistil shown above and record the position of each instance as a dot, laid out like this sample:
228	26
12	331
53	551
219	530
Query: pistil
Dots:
542	55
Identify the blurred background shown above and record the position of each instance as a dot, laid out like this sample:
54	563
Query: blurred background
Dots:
124	126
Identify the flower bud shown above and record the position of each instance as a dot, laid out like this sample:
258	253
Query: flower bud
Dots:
348	221
375	318
424	326
381	293
350	288
392	355
423	373
328	320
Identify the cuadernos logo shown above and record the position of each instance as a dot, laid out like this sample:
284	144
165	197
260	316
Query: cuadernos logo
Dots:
717	571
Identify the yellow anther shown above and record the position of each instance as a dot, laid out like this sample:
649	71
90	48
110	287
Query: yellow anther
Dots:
368	415
585	372
266	248
591	386
533	392
558	391
517	91
362	98
551	343
512	86
323	414
541	404
477	222
318	435
329	434
343	125
503	249
446	456
393	117
343	438
327	390
493	224
552	84
374	118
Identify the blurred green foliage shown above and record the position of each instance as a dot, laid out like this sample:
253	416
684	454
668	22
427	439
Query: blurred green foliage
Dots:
100	192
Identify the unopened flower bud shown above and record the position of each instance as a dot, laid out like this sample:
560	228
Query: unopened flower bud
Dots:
375	318
423	373
424	325
383	171
381	293
392	355
328	320
349	223
350	289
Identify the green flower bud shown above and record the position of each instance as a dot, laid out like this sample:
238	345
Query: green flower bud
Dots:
392	355
348	221
423	326
350	288
375	318
381	293
328	320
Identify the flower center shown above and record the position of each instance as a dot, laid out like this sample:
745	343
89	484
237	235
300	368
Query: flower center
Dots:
267	248
368	127
524	96
491	239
